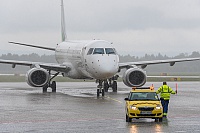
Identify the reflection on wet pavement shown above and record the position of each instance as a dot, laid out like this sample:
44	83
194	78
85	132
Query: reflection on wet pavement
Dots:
75	108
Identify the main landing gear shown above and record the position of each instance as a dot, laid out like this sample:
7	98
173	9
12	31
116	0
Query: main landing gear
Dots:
105	84
50	84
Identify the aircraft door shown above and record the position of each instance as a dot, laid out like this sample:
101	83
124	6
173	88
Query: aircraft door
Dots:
83	58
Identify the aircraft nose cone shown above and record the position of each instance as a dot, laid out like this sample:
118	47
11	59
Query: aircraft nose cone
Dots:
106	70
103	66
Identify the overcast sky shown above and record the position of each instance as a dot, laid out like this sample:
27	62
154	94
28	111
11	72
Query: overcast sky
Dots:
136	27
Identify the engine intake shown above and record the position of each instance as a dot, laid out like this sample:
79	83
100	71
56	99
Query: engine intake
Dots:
134	77
37	77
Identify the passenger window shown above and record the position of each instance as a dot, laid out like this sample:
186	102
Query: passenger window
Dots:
98	51
110	51
90	51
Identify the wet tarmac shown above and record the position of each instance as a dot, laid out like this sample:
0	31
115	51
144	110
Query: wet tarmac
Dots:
76	109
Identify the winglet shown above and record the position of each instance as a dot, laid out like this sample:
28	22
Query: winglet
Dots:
63	30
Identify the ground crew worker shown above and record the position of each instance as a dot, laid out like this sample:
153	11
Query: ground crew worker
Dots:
165	92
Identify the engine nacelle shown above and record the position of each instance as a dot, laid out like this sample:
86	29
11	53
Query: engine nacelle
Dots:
134	77
37	77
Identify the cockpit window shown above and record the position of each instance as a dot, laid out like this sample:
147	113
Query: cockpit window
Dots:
98	51
110	51
101	51
90	51
115	50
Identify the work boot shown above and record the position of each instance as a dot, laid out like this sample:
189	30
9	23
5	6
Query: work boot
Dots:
165	115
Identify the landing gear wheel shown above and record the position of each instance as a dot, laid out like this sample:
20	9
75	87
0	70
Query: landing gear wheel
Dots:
103	92
114	86
98	92
53	86
45	88
106	86
49	84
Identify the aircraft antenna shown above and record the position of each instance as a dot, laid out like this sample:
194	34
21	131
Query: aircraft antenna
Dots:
63	30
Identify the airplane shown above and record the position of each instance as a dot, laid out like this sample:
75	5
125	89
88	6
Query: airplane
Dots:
86	59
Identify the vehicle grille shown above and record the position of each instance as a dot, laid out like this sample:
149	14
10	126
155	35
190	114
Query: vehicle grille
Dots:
146	114
146	108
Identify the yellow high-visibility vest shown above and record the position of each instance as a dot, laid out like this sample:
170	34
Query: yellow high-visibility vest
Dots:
165	92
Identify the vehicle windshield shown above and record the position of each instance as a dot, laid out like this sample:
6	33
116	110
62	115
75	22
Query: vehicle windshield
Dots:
143	96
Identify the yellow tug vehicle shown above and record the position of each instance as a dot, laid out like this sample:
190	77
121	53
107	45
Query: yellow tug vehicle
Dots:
143	102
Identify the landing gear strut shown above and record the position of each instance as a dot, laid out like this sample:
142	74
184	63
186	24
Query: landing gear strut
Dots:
100	89
113	83
50	84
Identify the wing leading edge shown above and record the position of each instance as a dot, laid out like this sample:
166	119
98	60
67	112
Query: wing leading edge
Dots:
48	66
144	64
30	45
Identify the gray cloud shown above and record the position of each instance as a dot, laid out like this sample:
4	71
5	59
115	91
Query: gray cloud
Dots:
135	23
89	15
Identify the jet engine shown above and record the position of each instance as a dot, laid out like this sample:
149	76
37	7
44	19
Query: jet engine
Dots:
134	77
37	77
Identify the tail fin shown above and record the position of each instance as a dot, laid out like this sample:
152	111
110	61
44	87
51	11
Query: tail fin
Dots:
63	30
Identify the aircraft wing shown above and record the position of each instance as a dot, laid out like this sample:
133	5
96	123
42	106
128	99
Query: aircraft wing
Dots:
144	64
48	66
35	46
193	77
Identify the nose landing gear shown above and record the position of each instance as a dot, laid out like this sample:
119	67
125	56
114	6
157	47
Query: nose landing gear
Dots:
105	84
100	89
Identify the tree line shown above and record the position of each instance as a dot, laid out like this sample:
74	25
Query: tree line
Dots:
192	67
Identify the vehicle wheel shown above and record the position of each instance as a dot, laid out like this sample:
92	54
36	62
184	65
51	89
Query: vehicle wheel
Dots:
160	119
114	86
45	88
128	119
53	86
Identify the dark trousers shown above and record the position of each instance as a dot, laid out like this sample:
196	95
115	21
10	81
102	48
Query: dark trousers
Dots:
165	104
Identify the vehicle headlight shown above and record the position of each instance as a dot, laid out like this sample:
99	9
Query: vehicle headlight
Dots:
158	107
133	107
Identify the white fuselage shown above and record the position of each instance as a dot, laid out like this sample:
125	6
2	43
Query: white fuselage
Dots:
88	59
